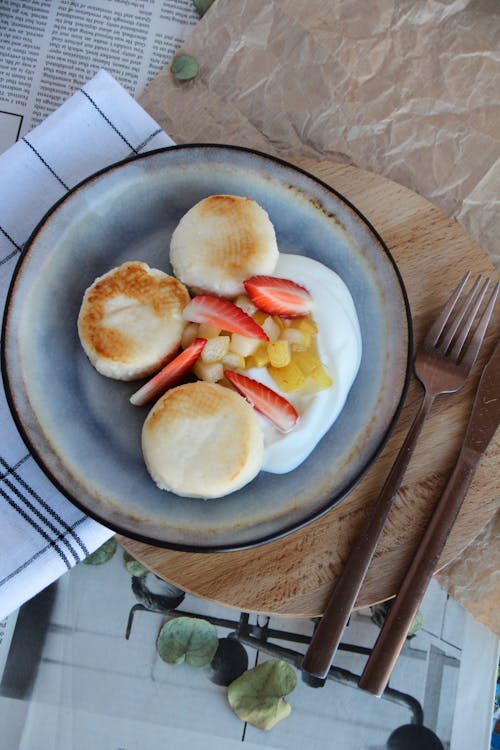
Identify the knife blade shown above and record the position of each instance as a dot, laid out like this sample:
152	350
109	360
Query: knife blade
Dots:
481	427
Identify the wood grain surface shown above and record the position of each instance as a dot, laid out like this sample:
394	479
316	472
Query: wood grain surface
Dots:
294	575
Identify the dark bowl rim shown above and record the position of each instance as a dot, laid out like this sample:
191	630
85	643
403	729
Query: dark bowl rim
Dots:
266	539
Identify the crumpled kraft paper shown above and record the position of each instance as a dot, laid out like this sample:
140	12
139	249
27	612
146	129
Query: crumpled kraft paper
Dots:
406	89
409	90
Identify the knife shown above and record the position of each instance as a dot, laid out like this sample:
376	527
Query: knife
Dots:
483	422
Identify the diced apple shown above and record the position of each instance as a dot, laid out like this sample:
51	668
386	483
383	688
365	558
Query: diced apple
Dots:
211	372
233	361
215	349
299	340
243	344
246	304
207	331
272	329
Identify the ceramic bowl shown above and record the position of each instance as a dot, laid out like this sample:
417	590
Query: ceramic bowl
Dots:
80	426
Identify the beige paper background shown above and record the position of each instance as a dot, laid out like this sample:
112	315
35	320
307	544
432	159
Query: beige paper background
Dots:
405	88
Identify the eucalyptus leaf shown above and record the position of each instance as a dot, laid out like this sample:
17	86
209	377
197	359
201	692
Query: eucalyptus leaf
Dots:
104	553
184	67
134	567
202	6
187	639
258	695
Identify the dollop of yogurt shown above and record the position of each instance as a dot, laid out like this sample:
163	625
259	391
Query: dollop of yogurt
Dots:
339	347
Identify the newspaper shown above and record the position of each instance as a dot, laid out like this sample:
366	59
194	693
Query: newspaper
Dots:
52	47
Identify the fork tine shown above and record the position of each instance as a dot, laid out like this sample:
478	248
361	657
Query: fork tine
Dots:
471	305
472	349
437	328
462	311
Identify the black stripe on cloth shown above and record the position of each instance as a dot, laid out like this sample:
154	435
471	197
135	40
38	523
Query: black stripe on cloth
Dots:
147	140
98	109
33	523
46	164
35	556
9	469
6	234
12	470
48	524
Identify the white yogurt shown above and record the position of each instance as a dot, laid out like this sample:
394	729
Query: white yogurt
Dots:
339	346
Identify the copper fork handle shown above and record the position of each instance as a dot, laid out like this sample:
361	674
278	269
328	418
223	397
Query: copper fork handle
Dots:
391	638
325	641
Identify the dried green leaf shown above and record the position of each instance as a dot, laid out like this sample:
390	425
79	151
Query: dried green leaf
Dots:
102	554
134	567
258	695
184	67
188	639
202	6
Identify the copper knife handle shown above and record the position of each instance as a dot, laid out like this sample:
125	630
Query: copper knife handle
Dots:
327	636
391	638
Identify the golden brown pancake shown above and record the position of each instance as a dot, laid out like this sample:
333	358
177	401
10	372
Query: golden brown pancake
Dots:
130	320
220	242
202	440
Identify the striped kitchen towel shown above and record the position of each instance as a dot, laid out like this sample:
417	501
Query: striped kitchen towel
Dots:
42	534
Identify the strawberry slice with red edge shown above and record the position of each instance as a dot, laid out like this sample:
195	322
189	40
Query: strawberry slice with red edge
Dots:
277	409
279	296
220	313
171	374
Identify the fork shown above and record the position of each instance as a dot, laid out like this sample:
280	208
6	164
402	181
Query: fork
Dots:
442	364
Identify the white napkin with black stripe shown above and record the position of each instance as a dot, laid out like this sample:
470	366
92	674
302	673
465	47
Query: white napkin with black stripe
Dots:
42	534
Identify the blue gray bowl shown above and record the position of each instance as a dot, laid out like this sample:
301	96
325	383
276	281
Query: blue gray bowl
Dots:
80	426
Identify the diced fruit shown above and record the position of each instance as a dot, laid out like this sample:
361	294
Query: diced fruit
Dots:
189	334
169	375
234	361
307	361
246	304
211	372
299	340
215	349
207	331
222	314
279	296
259	316
289	378
272	329
279	353
306	324
244	345
320	378
260	358
264	400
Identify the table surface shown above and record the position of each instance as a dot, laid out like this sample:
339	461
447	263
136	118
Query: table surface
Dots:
293	576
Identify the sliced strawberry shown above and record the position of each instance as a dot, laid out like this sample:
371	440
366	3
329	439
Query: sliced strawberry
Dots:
279	296
219	312
277	409
169	375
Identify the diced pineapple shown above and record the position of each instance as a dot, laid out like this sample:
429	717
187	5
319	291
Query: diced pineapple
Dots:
289	378
215	349
260	358
206	331
321	378
243	344
307	361
306	324
279	353
246	304
299	340
234	361
211	372
272	329
189	334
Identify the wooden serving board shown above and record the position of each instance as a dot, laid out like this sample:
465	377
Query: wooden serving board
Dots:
294	575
